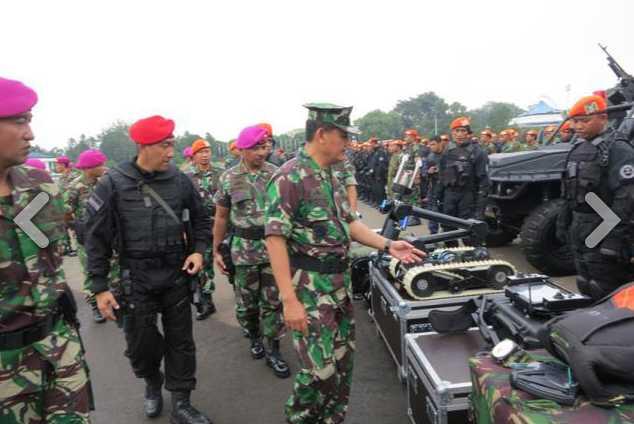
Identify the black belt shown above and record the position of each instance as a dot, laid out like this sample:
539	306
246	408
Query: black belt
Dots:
331	266
251	233
158	262
27	336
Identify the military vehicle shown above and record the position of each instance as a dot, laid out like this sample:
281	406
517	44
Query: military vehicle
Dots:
525	190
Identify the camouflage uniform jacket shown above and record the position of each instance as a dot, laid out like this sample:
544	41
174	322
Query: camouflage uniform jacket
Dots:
66	179
76	196
344	171
514	146
206	183
309	207
31	278
243	192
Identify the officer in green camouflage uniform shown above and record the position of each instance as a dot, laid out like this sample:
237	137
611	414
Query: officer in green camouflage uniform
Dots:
240	202
309	227
75	198
205	178
43	374
67	175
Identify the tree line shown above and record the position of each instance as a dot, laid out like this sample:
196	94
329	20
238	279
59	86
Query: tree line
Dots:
429	113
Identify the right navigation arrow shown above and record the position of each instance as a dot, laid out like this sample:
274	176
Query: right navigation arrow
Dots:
610	220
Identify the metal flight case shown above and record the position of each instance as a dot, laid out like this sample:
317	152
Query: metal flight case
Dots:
438	376
395	317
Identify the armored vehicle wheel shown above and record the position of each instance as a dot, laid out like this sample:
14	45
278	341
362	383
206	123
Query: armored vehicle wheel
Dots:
499	234
540	244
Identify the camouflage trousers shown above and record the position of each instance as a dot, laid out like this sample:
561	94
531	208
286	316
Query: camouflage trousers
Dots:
86	284
258	301
322	387
46	382
207	274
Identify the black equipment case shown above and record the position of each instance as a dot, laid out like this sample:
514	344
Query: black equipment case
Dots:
395	316
438	376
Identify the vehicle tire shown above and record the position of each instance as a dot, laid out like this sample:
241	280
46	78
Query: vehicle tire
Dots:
540	244
499	234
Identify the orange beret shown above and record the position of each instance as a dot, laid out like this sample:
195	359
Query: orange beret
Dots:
151	130
460	122
267	127
412	132
587	106
198	145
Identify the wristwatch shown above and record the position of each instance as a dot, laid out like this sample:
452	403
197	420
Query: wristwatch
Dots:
386	246
504	349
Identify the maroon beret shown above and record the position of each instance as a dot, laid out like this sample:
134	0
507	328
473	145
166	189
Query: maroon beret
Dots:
152	130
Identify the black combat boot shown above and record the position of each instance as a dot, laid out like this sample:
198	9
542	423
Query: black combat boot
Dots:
257	348
275	361
96	314
153	402
206	307
184	413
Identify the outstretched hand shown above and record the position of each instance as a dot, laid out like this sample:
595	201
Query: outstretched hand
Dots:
405	252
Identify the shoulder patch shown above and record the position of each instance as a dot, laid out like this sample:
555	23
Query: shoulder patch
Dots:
627	172
95	202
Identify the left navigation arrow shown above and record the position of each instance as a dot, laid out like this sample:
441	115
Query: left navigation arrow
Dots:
24	220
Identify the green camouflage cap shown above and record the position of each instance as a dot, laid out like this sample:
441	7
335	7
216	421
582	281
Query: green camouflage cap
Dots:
339	116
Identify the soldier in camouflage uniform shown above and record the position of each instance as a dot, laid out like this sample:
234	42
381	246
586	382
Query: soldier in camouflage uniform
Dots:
309	227
494	400
91	162
205	178
233	156
344	171
394	148
511	143
240	201
67	174
187	155
43	373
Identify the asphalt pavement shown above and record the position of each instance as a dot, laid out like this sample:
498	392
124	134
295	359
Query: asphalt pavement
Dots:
232	388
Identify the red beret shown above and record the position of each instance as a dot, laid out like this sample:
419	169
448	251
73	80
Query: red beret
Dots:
152	130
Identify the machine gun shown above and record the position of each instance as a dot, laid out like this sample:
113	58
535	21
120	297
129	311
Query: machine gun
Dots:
520	314
624	91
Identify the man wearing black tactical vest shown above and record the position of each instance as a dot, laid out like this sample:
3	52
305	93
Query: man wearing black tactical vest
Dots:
151	214
601	163
464	180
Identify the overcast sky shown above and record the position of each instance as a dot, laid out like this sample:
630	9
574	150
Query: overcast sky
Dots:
220	66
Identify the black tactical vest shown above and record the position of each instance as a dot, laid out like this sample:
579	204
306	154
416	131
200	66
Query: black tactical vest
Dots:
147	230
586	171
459	167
